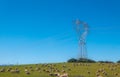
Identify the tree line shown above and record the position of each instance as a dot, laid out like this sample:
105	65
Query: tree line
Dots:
86	60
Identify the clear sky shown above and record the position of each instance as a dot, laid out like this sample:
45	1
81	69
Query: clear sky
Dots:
41	31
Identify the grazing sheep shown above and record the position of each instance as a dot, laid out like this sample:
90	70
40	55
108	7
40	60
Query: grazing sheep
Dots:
56	70
99	76
12	71
9	69
63	71
27	72
2	70
51	74
105	74
47	71
37	69
63	75
54	74
15	71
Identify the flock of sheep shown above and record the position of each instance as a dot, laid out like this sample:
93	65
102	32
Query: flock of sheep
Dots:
52	70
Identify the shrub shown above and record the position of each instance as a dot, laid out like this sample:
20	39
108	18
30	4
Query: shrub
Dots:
105	62
85	60
82	60
72	60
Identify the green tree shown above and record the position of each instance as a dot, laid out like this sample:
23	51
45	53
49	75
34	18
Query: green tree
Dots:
82	60
105	62
72	60
85	60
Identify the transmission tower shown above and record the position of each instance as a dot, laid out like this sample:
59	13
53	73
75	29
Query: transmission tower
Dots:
82	31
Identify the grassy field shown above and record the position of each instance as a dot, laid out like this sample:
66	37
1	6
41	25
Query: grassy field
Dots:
72	69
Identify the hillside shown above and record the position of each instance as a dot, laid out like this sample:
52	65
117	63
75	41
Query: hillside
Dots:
72	69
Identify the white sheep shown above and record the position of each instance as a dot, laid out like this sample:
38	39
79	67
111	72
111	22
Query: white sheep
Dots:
63	75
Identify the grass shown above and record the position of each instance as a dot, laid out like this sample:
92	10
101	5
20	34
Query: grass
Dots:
74	70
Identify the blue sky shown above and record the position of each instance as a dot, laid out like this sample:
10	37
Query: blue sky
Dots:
41	31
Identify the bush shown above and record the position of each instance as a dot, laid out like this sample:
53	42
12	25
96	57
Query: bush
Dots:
72	60
82	60
85	60
105	62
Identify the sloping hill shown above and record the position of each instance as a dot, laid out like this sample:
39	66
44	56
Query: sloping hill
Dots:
72	69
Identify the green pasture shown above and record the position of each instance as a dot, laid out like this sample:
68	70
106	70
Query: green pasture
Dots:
73	70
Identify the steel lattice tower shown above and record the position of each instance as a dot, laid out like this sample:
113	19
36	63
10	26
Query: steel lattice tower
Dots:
82	31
